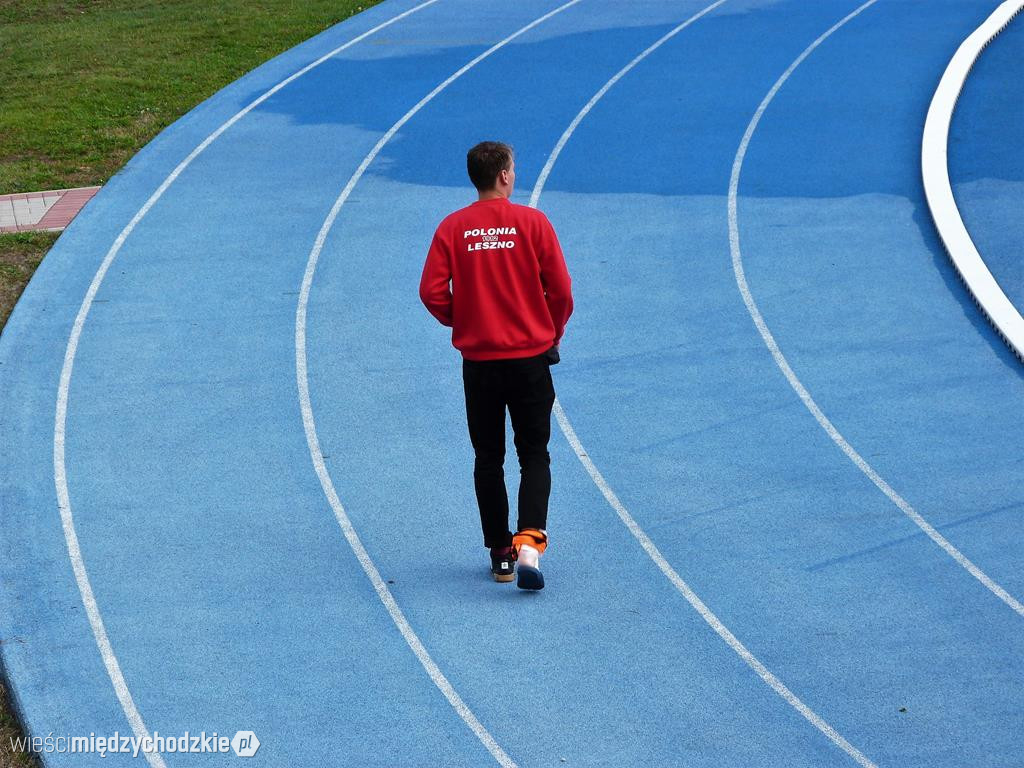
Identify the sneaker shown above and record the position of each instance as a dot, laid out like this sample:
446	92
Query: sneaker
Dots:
503	560
528	569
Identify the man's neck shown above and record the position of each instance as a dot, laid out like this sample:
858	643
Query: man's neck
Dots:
493	194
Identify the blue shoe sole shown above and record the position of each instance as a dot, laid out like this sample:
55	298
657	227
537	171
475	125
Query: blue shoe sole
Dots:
529	578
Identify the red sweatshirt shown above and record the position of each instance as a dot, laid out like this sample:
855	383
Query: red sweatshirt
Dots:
510	292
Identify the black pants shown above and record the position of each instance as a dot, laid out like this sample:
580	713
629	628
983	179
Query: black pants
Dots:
524	386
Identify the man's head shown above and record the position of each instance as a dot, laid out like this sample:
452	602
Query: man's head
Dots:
492	168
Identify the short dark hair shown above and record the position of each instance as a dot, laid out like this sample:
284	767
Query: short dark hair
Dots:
485	161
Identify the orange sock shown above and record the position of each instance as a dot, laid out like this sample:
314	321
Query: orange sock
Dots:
533	537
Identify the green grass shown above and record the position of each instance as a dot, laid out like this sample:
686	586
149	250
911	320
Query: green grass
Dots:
9	729
20	254
84	85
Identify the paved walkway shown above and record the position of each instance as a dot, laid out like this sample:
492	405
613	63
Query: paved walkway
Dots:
37	211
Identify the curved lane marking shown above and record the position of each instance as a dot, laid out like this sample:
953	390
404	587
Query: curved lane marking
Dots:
92	610
783	364
634	528
938	191
309	424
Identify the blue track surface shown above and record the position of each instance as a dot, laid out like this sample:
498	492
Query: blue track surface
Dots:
230	595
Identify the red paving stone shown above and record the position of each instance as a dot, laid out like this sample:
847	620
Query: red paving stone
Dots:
60	213
65	209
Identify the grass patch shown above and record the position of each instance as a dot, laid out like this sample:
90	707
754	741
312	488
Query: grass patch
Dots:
20	254
9	731
87	83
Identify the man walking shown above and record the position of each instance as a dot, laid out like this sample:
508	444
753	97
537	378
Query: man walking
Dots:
509	300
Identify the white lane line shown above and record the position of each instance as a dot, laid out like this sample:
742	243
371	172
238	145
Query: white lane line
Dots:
60	420
546	170
783	364
938	191
308	422
645	541
692	598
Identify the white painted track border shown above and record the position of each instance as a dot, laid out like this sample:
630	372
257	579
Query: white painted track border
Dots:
1004	317
92	610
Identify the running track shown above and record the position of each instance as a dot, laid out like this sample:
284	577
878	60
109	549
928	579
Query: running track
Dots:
247	446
